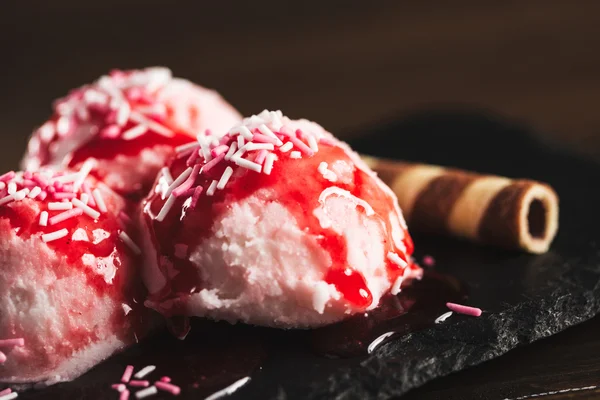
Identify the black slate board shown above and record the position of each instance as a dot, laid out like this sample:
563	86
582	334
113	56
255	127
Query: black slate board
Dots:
525	297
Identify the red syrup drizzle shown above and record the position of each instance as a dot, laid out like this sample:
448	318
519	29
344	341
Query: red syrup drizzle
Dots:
295	184
217	354
21	217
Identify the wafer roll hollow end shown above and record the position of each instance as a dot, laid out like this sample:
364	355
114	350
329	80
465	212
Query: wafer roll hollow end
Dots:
538	219
515	214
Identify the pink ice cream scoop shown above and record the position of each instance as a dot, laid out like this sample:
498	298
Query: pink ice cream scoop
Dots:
130	122
68	279
277	223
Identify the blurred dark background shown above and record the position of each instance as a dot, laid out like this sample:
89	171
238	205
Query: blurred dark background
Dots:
345	64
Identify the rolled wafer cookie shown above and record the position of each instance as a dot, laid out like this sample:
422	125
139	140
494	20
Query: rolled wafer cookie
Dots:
510	213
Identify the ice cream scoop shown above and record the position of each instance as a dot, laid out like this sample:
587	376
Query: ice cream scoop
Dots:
71	295
130	122
275	223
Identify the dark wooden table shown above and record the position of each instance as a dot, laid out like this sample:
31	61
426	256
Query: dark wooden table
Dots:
345	64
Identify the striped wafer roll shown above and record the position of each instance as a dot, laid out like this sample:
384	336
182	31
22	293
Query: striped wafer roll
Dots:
511	213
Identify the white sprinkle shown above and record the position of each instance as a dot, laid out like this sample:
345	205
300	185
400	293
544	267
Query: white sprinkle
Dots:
312	143
145	371
48	237
267	132
134	132
160	129
269	163
240	141
7	199
396	286
99	200
225	178
66	178
239	153
59	205
443	317
375	343
245	132
86	209
127	240
84	171
286	147
2	185
149	391
20	195
295	154
247	164
232	149
123	114
10	396
167	174
180	179
85	198
211	189
62	126
166	208
259	146
395	258
229	390
44	218
12	187
34	192
204	147
185	147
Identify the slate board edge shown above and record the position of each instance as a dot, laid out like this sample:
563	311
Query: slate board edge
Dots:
385	375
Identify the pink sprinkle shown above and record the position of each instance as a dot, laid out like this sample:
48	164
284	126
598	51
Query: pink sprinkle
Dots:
137	383
225	139
165	379
188	182
6	391
64	195
260	157
467	310
37	178
428	261
86	189
197	192
212	163
134	93
217	151
7	176
194	155
12	342
260	138
42	196
167	387
127	374
286	131
111	131
181	250
207	132
118	387
63	216
124	395
185	153
2	357
28	183
27	175
303	147
58	185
